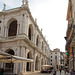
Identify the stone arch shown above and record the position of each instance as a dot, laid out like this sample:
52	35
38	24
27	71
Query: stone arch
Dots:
28	66
9	66
37	63
12	27
37	40
30	32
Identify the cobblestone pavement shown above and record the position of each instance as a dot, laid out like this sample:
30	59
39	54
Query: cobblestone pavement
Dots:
38	73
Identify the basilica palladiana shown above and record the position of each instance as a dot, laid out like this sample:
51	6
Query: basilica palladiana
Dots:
21	36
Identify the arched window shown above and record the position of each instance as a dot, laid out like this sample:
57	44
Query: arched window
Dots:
12	28
29	34
37	40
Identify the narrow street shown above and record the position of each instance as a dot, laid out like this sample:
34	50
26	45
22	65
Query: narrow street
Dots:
38	73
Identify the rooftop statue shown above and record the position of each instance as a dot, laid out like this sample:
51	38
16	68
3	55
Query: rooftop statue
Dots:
22	2
26	2
4	6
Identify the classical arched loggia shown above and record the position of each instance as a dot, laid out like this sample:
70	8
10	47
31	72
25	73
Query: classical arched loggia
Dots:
12	31
9	66
28	66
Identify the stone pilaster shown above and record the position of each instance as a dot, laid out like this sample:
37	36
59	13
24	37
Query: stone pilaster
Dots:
34	58
22	55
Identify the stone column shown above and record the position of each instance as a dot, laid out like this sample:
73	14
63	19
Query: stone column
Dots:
25	62
22	55
35	35
32	37
43	48
26	25
2	30
5	31
18	28
40	43
15	65
40	64
34	61
18	54
21	23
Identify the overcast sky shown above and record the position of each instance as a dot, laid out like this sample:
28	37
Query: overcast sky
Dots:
51	17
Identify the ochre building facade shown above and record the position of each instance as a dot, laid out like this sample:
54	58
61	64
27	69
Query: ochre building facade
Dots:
70	35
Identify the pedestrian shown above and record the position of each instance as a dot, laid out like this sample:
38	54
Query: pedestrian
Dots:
71	72
60	71
54	72
65	71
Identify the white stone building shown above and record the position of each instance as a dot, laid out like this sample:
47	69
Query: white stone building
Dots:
20	36
56	58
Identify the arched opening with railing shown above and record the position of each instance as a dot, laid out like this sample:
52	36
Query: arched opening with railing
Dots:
12	31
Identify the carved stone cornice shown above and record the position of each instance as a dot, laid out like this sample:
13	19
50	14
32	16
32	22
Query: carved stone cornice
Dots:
13	39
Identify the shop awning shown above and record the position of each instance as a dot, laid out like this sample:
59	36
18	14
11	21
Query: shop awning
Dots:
46	65
7	58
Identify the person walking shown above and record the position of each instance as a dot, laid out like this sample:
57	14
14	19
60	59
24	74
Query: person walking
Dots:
60	71
65	71
72	72
54	72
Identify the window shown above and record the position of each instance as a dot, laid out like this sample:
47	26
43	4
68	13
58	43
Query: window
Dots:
51	63
56	61
51	60
29	34
51	56
55	57
56	53
12	28
0	21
